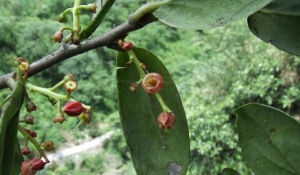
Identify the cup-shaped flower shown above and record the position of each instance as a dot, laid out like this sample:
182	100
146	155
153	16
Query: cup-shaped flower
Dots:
166	120
153	83
73	108
48	146
71	85
38	164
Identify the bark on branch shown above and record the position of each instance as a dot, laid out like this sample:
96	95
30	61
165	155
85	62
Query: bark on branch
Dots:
69	50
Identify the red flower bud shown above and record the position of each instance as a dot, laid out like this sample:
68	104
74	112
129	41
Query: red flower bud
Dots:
85	116
59	118
25	151
70	85
29	120
133	87
166	120
30	106
48	146
153	83
73	108
32	133
38	164
127	46
57	37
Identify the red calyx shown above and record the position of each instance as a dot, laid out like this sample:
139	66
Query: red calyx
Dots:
166	120
153	83
73	108
59	118
25	151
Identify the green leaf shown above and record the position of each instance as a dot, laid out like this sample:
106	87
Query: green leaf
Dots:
283	7
8	131
204	14
154	151
18	159
282	31
229	171
270	140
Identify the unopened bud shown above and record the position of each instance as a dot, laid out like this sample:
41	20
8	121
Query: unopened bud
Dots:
133	87
57	37
62	18
127	46
166	120
93	8
38	164
31	132
29	119
73	108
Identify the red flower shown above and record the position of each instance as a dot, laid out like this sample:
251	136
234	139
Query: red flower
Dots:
73	108
166	120
25	151
153	83
32	133
59	118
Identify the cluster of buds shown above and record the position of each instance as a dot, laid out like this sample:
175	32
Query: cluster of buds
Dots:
30	167
58	35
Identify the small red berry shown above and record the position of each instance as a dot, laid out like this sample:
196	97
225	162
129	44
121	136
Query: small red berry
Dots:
127	45
153	83
73	108
70	85
38	164
57	37
25	151
59	118
166	120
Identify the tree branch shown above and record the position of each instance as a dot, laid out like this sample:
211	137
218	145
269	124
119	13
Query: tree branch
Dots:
69	50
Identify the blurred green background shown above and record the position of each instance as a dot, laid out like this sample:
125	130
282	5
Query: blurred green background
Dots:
215	71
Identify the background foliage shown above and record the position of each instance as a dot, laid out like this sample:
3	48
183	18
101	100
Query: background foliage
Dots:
215	71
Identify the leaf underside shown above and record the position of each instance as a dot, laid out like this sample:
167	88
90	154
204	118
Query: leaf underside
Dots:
270	140
278	24
154	151
205	14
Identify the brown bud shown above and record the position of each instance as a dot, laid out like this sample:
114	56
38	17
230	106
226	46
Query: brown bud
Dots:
57	37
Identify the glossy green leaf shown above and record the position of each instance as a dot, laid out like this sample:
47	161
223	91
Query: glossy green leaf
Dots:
204	14
270	140
154	151
18	159
8	131
229	171
283	7
281	31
